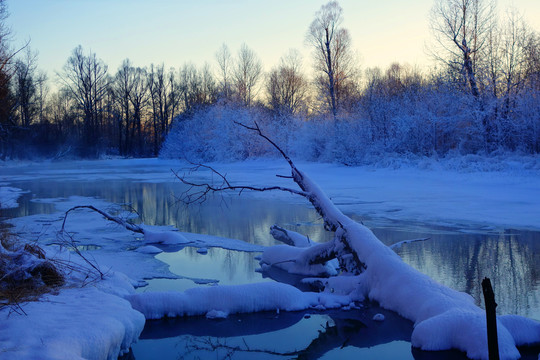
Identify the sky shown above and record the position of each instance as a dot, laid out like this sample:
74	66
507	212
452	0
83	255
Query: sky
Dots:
175	32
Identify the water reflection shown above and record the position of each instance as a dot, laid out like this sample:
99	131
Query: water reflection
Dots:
461	260
232	216
299	335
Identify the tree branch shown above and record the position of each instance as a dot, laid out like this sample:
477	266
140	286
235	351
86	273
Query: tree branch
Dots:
127	225
191	197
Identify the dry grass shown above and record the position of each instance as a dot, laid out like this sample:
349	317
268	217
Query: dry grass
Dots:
25	273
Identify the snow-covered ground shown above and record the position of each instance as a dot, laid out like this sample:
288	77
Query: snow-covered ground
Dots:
430	194
9	196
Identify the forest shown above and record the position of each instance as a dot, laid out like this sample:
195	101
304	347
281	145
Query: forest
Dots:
481	96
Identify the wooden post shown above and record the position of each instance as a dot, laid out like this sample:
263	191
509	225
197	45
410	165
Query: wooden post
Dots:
491	319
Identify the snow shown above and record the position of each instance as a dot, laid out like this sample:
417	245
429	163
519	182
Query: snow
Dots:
444	318
232	299
289	258
164	236
202	251
80	321
9	196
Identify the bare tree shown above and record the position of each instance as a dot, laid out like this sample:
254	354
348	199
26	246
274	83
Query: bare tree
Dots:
532	60
5	37
42	92
196	87
247	73
225	62
332	54
139	100
164	95
286	85
130	90
513	60
25	88
461	28
85	78
121	88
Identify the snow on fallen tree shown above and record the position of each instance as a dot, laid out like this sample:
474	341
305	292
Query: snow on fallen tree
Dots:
443	318
295	255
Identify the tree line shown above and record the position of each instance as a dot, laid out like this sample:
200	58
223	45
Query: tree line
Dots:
482	96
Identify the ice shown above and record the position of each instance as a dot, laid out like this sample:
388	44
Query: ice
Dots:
149	249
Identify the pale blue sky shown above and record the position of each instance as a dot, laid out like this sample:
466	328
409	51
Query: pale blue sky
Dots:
178	31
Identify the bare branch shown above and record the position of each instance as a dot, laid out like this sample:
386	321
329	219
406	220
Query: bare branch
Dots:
196	197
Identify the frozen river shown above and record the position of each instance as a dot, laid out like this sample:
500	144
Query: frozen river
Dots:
460	250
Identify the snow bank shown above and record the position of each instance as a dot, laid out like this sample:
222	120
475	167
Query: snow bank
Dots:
82	323
88	318
225	300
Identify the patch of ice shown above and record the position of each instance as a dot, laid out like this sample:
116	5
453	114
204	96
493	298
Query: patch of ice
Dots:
149	249
216	314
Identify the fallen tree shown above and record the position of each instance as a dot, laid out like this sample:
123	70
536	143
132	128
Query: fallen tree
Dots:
443	318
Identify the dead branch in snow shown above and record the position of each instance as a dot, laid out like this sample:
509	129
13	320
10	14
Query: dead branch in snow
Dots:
129	226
